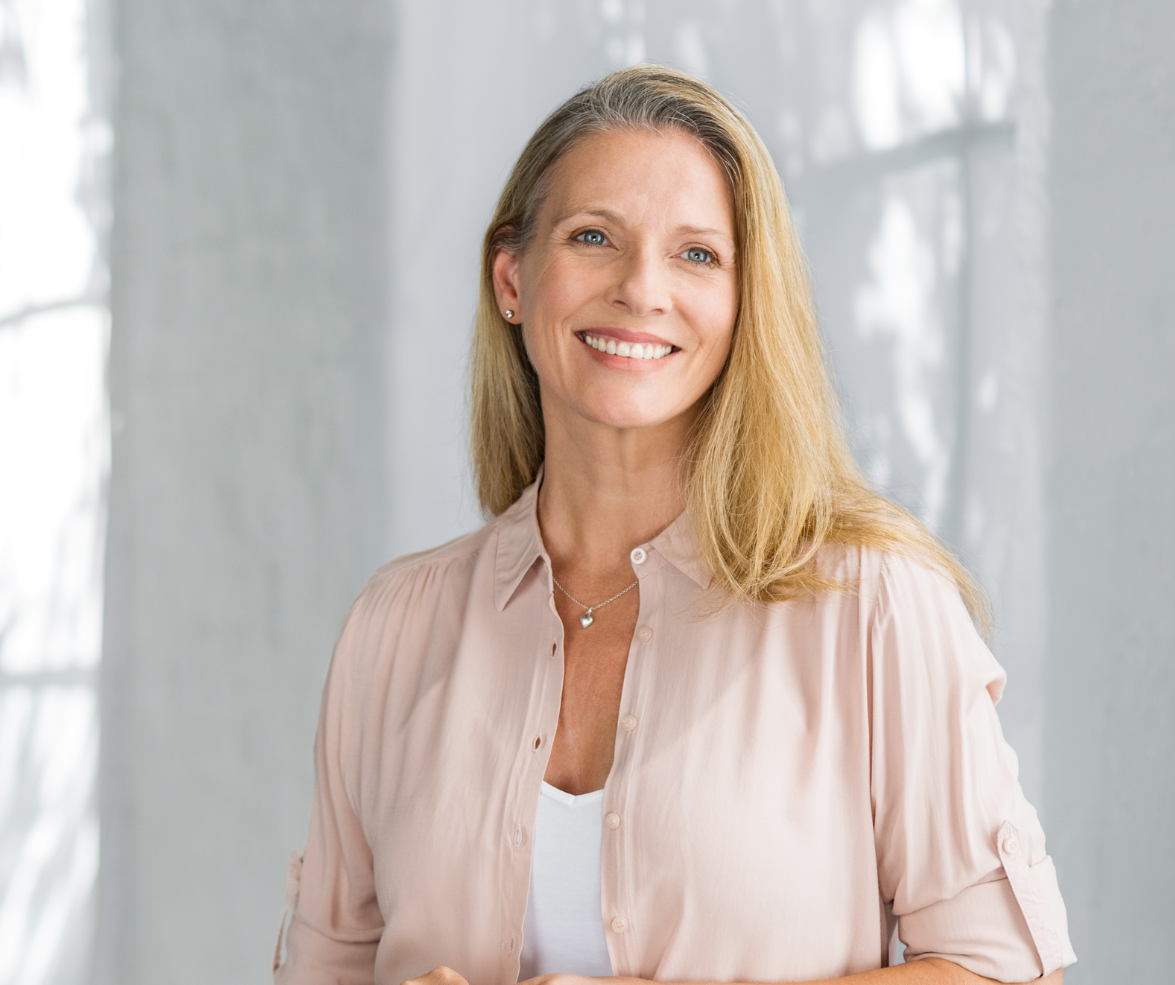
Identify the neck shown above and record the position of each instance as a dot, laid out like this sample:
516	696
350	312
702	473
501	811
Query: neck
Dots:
605	490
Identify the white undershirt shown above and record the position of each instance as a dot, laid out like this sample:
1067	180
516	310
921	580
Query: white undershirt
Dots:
564	930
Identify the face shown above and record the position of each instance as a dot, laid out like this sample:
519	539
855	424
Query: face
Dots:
627	293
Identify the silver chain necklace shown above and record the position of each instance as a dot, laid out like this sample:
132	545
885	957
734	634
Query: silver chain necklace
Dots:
586	619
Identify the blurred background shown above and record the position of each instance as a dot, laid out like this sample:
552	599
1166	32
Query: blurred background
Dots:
238	261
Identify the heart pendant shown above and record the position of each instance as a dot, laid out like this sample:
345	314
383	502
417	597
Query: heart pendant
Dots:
586	619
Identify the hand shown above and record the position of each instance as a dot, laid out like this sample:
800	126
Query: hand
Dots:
438	976
561	979
447	976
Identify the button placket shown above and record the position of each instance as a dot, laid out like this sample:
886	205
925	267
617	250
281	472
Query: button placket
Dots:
616	848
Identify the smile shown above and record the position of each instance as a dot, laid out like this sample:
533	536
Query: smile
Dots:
629	350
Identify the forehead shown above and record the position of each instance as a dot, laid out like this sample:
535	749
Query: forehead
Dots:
641	174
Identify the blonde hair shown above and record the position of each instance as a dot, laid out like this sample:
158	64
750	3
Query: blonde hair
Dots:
768	477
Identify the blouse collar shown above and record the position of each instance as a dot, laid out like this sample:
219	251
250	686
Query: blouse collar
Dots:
520	545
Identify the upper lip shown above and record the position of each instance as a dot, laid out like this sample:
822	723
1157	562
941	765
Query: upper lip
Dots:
623	335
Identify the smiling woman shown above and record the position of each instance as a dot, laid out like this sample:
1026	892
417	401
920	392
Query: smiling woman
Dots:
696	705
651	273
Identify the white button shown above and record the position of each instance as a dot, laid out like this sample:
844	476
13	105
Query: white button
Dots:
1011	845
612	820
638	556
619	925
644	634
517	836
628	723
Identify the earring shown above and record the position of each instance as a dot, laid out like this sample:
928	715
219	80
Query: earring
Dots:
509	313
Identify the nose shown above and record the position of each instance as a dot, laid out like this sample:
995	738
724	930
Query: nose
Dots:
643	286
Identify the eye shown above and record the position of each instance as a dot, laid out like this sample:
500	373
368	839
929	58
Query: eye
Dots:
592	237
695	254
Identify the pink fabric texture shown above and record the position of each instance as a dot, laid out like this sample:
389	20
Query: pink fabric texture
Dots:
789	778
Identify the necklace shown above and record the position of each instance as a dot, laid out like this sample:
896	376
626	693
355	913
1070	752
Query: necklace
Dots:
586	619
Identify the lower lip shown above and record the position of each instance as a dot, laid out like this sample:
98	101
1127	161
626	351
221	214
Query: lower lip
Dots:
627	363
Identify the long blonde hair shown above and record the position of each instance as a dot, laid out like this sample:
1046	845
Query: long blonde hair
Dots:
768	477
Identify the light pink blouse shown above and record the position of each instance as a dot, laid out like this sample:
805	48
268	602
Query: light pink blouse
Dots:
793	783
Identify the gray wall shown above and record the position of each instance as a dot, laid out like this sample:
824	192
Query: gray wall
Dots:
1110	786
250	254
300	190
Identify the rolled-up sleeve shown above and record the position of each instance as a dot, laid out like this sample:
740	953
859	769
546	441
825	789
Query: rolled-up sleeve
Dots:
961	853
336	924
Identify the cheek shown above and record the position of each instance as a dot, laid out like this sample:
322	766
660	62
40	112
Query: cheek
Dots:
559	287
715	312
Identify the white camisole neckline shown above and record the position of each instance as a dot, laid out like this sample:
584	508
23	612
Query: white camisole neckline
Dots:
563	930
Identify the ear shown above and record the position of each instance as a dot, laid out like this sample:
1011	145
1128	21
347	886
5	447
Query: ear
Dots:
507	284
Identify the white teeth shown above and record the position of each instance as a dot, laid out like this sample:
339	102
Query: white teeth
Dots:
630	350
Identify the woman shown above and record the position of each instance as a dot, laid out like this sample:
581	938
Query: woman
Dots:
697	705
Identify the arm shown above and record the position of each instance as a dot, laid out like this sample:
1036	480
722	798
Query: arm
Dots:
929	971
960	850
336	924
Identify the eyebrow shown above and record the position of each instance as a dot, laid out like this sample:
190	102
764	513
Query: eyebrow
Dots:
615	217
607	214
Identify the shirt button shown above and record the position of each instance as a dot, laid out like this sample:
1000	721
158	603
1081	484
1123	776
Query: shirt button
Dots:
644	634
612	820
638	555
517	836
628	723
619	924
1011	845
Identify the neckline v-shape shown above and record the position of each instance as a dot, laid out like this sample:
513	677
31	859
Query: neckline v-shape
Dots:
570	799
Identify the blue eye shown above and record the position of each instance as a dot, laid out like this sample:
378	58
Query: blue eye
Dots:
698	255
593	237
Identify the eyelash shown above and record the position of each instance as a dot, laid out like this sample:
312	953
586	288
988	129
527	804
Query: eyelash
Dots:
711	262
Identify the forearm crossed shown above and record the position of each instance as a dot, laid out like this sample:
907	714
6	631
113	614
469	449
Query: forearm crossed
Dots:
928	971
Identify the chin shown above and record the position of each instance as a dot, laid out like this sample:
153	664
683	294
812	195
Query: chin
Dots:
628	414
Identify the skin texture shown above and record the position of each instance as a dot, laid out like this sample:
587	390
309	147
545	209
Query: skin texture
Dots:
635	242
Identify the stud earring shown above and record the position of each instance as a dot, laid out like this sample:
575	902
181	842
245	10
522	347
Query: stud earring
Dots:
509	313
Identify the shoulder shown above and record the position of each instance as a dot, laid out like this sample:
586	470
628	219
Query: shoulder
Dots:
449	558
413	589
886	581
909	611
920	623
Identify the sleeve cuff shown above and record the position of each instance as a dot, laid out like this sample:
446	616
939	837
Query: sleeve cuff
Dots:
1011	929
